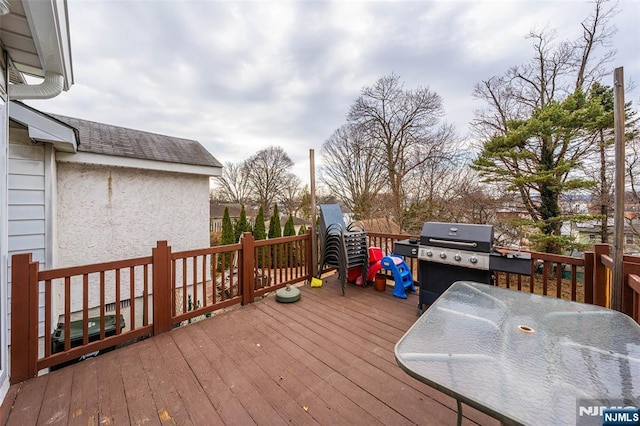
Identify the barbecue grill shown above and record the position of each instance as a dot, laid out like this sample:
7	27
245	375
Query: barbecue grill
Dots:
450	252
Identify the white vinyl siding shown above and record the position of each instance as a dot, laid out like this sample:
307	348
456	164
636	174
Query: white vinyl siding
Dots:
26	202
4	250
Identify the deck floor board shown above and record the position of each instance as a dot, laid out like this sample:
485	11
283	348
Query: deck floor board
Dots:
327	359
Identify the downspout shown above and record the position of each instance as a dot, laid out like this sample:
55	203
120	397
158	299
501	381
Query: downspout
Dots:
51	87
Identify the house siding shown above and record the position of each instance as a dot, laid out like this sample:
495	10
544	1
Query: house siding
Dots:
26	205
4	245
113	213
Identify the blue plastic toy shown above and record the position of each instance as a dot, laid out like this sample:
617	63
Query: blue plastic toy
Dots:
401	275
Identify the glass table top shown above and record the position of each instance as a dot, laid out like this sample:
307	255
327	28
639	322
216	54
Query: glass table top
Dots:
523	358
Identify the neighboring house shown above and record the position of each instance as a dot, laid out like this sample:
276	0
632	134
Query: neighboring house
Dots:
120	192
589	232
216	213
297	223
34	39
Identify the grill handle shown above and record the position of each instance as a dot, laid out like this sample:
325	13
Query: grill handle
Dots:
453	243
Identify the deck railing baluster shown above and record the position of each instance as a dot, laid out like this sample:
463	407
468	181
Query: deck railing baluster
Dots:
118	305
47	317
145	295
102	305
85	309
132	298
67	313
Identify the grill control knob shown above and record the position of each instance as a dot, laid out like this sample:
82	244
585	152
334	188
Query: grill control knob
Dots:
429	253
443	255
473	259
457	257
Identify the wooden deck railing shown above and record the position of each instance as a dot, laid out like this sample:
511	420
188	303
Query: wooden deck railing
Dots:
586	279
149	295
630	277
385	242
564	277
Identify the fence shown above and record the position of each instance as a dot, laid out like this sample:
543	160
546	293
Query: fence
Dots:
161	291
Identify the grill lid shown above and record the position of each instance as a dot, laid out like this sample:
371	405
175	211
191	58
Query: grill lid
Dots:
461	236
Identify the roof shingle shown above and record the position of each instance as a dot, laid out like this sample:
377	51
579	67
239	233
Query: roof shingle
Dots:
100	138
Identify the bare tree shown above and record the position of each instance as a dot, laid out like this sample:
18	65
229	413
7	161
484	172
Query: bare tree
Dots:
402	125
268	172
233	184
433	188
352	170
290	196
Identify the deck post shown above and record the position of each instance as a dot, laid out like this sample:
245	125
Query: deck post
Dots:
589	260
630	266
162	297
309	257
600	275
248	268
24	317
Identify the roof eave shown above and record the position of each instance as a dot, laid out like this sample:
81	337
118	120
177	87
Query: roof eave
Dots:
137	163
43	128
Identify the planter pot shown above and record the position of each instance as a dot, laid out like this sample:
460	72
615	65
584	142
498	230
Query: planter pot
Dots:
381	282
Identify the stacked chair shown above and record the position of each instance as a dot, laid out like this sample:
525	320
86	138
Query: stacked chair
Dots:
342	247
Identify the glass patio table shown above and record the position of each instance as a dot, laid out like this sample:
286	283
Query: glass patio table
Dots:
523	358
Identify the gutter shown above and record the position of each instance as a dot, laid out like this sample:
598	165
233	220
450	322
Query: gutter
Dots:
51	87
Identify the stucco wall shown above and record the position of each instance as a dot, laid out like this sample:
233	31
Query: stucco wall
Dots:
111	213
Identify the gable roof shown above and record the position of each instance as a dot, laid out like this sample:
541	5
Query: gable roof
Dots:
216	210
100	138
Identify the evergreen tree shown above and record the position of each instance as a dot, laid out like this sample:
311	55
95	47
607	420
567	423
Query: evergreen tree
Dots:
289	228
242	225
536	157
227	228
259	233
275	229
300	251
227	234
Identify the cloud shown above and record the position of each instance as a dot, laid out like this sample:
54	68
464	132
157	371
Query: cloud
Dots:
241	76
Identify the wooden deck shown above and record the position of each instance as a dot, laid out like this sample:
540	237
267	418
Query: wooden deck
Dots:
327	359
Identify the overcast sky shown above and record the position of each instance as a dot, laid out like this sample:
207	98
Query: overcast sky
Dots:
241	76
